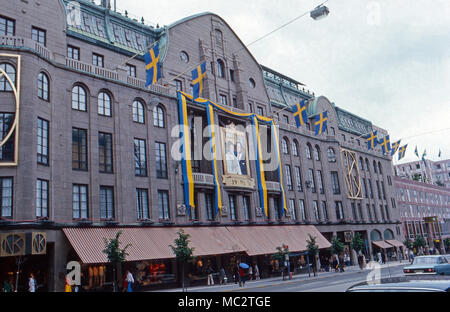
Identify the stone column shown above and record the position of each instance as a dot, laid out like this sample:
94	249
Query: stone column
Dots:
201	202
272	209
58	262
369	243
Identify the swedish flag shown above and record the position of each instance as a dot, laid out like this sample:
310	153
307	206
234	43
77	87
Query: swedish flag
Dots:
372	140
402	152
198	80
424	154
416	152
395	147
321	122
385	144
152	65
300	115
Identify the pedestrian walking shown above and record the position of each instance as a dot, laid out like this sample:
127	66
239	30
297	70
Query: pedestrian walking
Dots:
6	286
256	272
341	262
130	281
68	284
222	275
210	272
242	276
335	263
250	273
380	260
31	283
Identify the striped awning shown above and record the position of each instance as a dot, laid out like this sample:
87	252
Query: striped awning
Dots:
153	243
382	244
263	240
149	243
394	243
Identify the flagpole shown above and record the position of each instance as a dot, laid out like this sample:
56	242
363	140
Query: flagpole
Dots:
189	69
139	53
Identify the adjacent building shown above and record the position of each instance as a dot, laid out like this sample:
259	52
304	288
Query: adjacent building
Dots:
88	152
428	171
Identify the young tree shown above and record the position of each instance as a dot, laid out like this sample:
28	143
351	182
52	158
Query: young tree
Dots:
447	243
281	255
313	249
419	243
357	243
182	251
337	247
116	256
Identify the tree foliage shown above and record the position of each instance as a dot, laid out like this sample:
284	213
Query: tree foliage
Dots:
336	245
447	242
419	242
181	250
408	243
313	248
112	249
357	243
281	253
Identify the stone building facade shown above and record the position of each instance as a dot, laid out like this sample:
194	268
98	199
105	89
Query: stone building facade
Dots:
428	171
93	145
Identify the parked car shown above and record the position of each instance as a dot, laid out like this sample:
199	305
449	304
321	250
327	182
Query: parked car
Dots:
425	265
419	283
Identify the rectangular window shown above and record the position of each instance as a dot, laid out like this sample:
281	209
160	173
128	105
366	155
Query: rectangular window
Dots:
301	209
142	204
366	195
250	107
41	198
292	209
161	160
374	213
383	217
140	158
131	69
320	182
286	119
235	104
370	188
288	177
232	202
369	213
210	215
6	200
79	149
39	35
73	53
7	150
383	190
232	75
355	216
105	152
179	85
360	214
324	210
335	183
98	60
387	212
80	201
223	100
260	111
316	210
42	141
311	180
163	205
106	202
298	179
7	26
378	189
246	207
339	211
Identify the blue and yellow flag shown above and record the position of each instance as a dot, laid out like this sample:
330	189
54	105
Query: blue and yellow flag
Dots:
395	147
300	115
440	153
198	80
152	65
385	144
402	152
424	154
416	152
321	122
372	140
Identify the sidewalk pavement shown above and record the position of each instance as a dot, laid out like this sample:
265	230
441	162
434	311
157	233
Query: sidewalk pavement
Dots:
272	281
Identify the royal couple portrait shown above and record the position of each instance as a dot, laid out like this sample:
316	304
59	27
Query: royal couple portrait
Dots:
235	152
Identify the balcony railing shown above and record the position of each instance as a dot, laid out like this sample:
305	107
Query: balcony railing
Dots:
203	178
273	186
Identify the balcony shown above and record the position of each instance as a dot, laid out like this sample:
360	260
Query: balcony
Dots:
118	74
203	179
273	186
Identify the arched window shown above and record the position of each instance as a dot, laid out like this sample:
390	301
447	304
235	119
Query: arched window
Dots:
138	112
379	168
308	151
331	155
317	153
219	37
367	165
158	117
375	236
104	104
11	72
285	146
43	87
361	164
79	98
294	148
220	69
388	235
374	166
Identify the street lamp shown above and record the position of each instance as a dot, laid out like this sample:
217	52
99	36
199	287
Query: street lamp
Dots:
320	12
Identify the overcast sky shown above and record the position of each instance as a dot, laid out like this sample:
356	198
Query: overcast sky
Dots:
386	61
